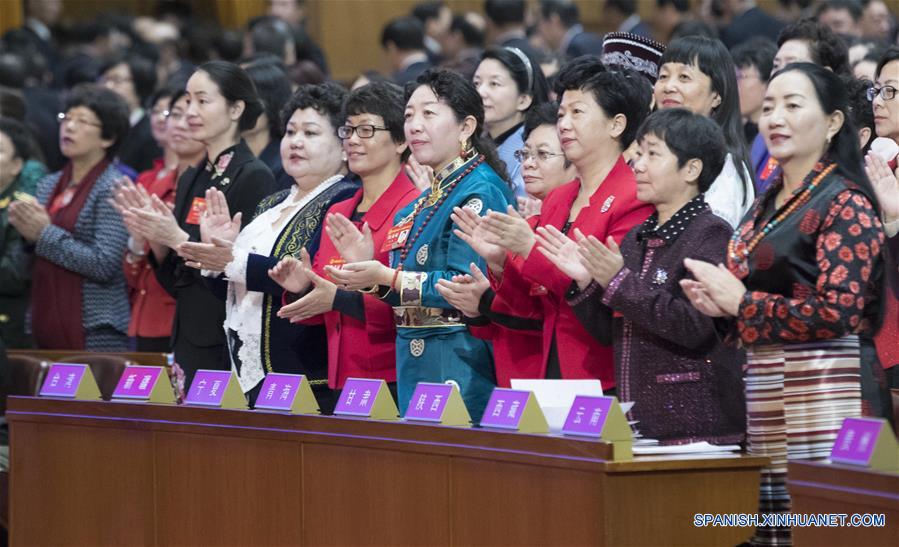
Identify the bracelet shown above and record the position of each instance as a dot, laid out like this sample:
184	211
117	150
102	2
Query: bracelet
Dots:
371	290
396	274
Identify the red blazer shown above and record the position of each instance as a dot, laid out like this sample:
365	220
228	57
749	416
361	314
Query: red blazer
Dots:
152	308
516	353
613	210
357	349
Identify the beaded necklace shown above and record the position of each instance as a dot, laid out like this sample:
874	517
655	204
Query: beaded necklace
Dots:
422	203
437	189
739	250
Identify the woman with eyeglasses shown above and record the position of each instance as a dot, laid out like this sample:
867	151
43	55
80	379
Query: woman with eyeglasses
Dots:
152	308
510	84
885	178
802	281
133	78
599	113
444	119
78	295
360	327
286	223
517	339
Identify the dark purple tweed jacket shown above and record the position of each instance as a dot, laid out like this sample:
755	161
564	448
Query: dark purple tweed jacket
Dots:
669	359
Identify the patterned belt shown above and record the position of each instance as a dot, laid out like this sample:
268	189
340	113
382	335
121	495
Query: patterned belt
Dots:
419	318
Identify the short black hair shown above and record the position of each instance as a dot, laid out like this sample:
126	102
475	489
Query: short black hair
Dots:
110	109
406	33
859	106
627	7
273	90
380	98
326	99
566	10
164	92
12	103
143	72
425	11
19	136
235	85
505	12
473	36
682	6
759	52
890	55
616	91
826	48
852	6
692	27
544	114
12	70
689	136
270	35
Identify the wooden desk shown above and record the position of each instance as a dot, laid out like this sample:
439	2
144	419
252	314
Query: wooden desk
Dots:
119	473
819	487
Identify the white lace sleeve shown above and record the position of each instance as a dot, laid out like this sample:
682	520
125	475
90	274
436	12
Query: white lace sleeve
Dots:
236	270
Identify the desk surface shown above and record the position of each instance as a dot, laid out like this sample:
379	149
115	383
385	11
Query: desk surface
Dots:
349	480
823	487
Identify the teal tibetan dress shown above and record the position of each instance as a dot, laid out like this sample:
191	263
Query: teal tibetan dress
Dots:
432	344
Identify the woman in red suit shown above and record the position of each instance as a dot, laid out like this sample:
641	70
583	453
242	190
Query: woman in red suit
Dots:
360	327
599	113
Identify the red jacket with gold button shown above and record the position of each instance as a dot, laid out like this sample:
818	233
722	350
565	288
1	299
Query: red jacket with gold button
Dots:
367	349
612	211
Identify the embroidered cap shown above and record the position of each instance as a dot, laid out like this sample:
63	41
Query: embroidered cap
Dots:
628	50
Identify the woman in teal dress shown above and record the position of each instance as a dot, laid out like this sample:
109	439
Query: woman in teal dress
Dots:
444	127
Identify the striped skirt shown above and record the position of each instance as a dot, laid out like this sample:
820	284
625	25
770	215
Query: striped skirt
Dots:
797	396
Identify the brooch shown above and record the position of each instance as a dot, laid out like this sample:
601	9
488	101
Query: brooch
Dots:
660	277
607	204
219	168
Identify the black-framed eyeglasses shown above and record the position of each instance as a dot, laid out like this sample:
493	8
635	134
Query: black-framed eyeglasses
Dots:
542	156
364	131
887	92
62	117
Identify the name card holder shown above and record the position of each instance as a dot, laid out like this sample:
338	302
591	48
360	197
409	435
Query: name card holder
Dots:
216	388
366	398
140	383
438	403
516	410
866	442
70	381
287	393
601	418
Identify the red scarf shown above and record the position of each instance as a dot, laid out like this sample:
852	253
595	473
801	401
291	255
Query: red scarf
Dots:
56	293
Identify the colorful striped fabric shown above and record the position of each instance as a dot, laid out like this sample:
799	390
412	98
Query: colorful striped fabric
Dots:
797	396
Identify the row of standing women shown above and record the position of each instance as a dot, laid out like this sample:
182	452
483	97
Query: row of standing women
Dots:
360	275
